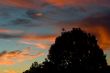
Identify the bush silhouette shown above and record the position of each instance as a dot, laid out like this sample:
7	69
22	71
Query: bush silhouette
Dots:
73	51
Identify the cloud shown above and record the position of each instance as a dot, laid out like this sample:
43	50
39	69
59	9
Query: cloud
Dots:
8	31
102	35
27	36
35	14
78	2
39	37
99	18
21	3
9	36
48	15
38	41
53	15
17	56
38	45
21	21
42	46
24	22
34	4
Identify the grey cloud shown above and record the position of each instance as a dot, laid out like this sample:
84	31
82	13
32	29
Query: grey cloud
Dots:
9	36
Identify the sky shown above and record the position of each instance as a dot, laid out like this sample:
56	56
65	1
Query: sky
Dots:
29	27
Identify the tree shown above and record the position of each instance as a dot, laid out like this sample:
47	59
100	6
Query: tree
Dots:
73	51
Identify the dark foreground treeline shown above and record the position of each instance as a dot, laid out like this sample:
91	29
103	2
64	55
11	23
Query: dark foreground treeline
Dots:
74	51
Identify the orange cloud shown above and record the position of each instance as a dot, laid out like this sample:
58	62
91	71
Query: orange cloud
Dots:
35	37
102	35
26	42
41	45
33	4
8	31
77	2
20	3
35	44
60	2
13	57
38	41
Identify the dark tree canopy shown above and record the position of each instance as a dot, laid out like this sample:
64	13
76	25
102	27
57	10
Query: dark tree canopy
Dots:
73	51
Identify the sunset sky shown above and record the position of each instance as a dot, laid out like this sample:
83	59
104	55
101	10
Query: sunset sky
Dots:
29	27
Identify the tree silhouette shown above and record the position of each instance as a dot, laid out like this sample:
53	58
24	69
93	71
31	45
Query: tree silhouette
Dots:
73	51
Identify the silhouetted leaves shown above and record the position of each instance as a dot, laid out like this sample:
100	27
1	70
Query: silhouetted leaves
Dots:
73	51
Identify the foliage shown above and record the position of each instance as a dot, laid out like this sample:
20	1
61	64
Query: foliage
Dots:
73	51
